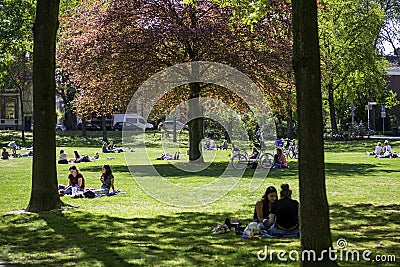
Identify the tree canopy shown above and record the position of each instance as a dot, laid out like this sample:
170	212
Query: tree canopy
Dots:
111	47
352	69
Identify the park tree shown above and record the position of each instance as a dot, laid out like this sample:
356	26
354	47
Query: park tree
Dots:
17	74
314	208
67	91
16	19
351	65
390	29
111	48
44	195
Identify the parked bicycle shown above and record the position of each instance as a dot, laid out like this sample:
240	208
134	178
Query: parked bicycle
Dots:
241	159
291	150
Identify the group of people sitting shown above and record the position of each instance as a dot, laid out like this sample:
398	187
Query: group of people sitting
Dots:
384	151
76	183
210	145
14	147
278	217
63	158
110	148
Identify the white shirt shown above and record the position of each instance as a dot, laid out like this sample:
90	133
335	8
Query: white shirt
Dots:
378	150
388	148
63	156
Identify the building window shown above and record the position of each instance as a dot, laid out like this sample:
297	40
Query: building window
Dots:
10	109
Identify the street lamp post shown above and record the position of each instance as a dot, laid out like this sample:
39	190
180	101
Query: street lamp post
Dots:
368	108
383	116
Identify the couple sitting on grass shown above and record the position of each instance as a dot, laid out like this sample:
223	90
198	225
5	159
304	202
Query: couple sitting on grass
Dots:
278	217
76	185
110	148
383	151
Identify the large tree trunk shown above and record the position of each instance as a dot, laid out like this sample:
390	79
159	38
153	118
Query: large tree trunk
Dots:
195	124
314	210
44	195
332	110
104	128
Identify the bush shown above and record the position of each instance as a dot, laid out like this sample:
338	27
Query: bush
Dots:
349	131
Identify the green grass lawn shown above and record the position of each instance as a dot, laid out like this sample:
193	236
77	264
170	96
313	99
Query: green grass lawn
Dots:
135	229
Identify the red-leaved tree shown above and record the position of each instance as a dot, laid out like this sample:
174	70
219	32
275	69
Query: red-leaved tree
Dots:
111	47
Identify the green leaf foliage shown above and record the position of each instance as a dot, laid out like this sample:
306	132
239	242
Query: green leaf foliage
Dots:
350	63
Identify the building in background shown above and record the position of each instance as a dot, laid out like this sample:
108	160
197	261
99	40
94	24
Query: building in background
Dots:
11	117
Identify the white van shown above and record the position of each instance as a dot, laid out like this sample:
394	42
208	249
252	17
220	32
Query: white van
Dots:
134	119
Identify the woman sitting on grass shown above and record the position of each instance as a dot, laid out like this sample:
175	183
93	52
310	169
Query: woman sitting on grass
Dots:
107	180
105	149
224	145
76	182
378	150
284	215
263	207
279	159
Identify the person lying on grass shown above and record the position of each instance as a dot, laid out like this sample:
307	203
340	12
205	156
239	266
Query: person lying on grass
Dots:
168	156
263	208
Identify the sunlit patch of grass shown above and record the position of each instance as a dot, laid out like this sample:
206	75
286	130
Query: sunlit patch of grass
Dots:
135	229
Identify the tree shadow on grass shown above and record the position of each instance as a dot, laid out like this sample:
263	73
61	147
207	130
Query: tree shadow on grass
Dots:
95	168
178	170
216	169
85	239
348	169
368	227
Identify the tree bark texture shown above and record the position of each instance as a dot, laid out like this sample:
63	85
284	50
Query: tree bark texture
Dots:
314	209
44	194
195	124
